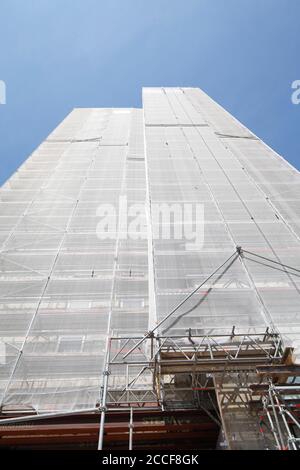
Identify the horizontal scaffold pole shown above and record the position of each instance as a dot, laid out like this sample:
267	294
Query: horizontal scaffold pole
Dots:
37	417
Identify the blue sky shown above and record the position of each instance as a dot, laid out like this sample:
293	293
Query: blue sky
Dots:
59	54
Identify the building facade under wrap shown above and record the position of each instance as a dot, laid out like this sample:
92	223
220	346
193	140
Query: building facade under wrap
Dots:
212	326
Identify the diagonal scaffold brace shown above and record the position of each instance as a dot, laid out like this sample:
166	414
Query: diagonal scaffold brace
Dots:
150	333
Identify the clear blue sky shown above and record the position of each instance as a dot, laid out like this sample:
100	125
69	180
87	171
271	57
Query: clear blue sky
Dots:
59	54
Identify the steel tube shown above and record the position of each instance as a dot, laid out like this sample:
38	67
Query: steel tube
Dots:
103	410
150	333
131	429
21	419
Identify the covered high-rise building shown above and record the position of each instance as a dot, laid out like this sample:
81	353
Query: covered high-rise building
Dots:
113	314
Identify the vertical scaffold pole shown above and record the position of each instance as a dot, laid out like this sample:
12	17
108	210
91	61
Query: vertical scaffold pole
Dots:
106	375
131	429
103	409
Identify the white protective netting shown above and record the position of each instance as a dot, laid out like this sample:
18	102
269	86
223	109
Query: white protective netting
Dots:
199	153
63	288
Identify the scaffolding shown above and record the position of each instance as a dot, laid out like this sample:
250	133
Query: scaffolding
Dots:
220	374
137	342
280	409
144	372
180	373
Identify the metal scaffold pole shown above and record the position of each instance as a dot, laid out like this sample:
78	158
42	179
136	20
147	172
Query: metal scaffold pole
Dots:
106	375
284	423
131	429
103	410
151	333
